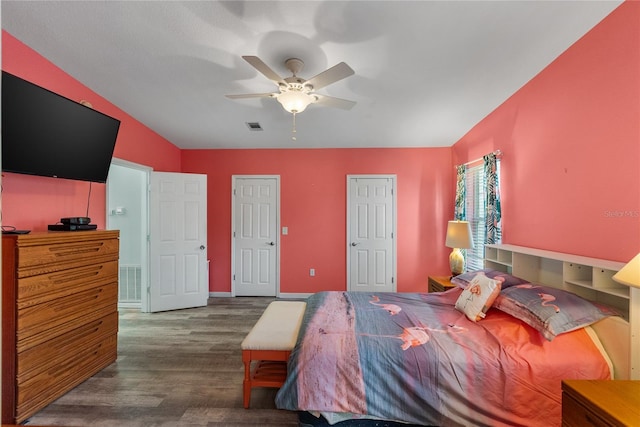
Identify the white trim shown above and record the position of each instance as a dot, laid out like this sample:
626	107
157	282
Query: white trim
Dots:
284	295
124	305
220	295
132	165
290	295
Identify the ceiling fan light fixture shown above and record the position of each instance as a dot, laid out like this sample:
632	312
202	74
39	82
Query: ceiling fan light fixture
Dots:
296	93
294	101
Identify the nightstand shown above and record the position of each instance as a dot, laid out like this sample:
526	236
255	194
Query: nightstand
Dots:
600	403
440	283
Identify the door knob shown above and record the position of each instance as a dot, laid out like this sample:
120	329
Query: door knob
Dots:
202	247
353	243
271	244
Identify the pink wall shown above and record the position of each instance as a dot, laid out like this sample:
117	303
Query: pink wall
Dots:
571	143
313	207
31	202
570	183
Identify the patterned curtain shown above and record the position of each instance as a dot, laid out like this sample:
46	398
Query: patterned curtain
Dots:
459	212
493	227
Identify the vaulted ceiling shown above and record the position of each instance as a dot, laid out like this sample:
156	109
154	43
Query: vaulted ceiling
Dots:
425	71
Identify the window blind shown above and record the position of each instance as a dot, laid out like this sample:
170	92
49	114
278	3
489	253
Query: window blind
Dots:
475	202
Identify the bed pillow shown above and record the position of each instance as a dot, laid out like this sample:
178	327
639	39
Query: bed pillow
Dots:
475	299
506	279
550	311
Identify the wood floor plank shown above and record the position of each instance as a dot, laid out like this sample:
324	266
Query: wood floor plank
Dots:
176	368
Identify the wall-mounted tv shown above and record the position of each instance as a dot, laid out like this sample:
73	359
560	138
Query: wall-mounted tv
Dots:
46	134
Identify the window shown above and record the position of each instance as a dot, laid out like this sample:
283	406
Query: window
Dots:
475	208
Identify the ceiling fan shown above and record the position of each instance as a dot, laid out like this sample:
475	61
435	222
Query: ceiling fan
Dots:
296	93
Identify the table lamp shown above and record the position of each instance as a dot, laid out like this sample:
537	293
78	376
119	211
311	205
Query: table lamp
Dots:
629	274
458	237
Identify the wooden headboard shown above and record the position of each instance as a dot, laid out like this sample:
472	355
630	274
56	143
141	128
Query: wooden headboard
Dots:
590	278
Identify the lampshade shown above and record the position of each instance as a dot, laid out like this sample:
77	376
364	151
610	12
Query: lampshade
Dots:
629	274
294	101
459	235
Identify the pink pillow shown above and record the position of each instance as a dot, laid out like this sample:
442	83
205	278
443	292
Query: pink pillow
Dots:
549	310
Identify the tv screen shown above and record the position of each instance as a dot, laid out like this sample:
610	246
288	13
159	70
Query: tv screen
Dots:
46	134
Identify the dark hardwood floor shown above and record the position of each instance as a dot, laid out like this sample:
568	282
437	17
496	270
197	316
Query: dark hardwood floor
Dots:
177	368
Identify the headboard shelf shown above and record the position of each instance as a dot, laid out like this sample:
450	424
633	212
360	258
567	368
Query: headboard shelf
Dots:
591	278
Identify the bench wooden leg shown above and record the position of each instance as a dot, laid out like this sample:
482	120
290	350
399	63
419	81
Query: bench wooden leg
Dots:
246	384
269	370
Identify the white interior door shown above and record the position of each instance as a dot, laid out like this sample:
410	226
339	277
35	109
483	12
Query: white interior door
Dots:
371	230
178	237
255	237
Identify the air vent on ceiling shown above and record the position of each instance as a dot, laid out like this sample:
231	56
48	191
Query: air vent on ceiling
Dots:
254	126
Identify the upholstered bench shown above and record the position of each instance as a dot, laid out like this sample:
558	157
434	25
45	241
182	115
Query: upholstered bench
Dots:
269	344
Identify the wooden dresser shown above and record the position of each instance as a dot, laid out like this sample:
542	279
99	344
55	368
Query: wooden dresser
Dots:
600	403
59	315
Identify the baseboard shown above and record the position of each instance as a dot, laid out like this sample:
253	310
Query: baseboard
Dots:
220	295
124	305
287	295
283	295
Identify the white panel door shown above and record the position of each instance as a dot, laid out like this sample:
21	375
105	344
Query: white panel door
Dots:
371	232
178	235
255	236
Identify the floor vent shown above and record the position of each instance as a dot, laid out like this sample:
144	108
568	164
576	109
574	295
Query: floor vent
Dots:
130	284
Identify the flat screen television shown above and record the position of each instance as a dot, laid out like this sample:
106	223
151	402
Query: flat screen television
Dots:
46	134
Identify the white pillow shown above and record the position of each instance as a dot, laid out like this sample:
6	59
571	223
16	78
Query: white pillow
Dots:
477	297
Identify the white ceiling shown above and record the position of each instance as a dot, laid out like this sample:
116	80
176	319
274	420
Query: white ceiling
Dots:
425	71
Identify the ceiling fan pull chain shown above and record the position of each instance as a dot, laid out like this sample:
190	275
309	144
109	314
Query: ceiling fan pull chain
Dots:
293	131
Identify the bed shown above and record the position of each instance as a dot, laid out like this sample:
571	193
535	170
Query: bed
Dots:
415	358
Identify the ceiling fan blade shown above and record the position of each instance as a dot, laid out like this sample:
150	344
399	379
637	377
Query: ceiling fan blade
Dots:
263	68
251	95
332	75
330	101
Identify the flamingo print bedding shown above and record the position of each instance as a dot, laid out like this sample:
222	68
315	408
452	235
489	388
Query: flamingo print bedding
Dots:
414	358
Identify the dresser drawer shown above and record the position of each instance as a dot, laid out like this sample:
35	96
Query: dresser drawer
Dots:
574	414
59	349
38	259
58	284
59	314
48	385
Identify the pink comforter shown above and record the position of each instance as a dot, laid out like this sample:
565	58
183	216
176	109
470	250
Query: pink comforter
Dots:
414	358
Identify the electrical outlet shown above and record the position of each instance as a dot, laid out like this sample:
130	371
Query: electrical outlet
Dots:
312	272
